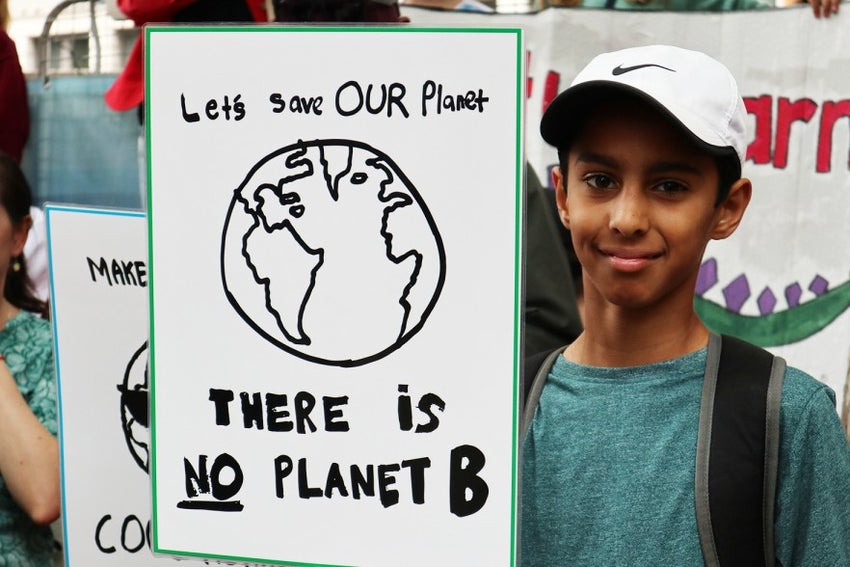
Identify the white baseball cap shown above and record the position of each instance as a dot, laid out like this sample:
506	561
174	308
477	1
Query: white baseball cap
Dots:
694	90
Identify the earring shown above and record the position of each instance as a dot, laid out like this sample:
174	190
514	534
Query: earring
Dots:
16	265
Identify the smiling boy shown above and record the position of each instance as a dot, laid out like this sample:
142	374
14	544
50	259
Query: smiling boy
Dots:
651	141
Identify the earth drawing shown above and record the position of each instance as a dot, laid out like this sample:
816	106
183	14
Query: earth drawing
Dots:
134	407
330	253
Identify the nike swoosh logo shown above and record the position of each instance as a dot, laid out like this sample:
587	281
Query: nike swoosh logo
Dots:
619	69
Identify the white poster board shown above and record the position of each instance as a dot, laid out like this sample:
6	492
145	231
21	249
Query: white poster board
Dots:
98	280
335	308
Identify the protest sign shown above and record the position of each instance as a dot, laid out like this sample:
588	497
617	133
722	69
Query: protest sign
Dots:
335	239
99	279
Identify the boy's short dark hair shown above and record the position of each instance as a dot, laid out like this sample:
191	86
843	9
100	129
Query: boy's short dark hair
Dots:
728	172
694	91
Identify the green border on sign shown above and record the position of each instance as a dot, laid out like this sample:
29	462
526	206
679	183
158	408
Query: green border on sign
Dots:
149	32
519	292
151	357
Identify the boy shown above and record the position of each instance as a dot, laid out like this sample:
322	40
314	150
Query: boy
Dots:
651	142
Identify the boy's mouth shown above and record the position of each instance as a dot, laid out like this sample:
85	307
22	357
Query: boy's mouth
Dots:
629	259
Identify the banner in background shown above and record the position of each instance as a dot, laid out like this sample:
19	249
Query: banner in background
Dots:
781	281
335	303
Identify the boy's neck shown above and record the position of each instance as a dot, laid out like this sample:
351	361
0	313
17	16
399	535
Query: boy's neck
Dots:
616	337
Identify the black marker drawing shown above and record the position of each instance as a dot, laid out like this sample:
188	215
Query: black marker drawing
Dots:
134	407
205	489
330	253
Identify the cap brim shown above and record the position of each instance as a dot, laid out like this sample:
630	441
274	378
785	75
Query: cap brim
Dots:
566	113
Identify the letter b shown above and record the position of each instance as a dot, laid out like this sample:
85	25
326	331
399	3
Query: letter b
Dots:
467	491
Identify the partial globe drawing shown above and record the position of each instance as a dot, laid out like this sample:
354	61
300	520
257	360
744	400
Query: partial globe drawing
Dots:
330	253
134	407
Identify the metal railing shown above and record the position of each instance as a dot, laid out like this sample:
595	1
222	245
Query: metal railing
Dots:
44	38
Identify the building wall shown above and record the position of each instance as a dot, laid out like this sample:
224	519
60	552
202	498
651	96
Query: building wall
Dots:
72	23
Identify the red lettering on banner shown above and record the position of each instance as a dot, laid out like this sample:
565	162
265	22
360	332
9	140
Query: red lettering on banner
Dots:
830	114
800	110
759	148
550	88
789	112
550	84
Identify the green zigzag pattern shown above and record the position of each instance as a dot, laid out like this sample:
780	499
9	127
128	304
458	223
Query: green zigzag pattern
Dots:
780	328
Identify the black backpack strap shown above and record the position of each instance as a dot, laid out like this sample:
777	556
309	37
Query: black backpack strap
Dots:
738	453
537	368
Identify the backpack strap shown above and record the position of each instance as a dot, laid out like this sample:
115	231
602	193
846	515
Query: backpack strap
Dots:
537	366
738	453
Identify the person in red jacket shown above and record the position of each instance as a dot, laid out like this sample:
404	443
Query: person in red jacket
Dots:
128	90
14	110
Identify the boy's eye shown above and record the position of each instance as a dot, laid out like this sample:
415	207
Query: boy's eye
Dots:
598	181
670	187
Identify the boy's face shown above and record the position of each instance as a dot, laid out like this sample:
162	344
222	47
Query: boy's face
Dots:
639	199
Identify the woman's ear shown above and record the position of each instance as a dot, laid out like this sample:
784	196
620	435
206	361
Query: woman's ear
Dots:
561	196
731	211
20	231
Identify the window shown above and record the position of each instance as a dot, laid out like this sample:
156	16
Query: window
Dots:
68	54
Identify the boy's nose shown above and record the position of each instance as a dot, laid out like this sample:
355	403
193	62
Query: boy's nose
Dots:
629	215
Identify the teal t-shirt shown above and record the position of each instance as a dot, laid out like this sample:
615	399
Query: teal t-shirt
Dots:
27	345
608	469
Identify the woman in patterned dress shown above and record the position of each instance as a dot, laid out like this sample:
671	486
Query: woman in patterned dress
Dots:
29	453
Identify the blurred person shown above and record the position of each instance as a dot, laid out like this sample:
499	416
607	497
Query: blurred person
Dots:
29	452
14	109
552	308
14	133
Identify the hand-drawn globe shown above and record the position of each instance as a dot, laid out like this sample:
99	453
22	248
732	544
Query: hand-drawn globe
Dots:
134	407
330	253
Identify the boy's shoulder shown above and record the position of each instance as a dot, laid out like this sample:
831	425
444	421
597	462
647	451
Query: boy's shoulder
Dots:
799	387
803	397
